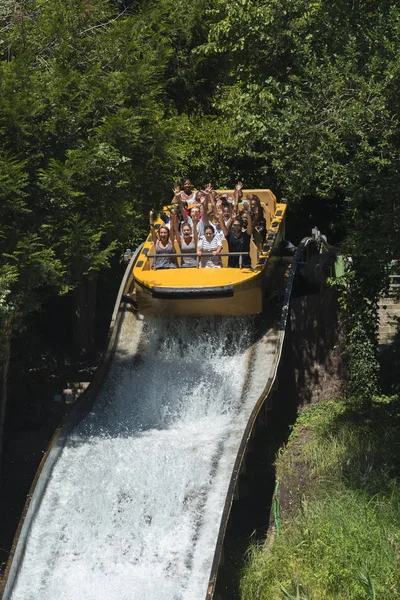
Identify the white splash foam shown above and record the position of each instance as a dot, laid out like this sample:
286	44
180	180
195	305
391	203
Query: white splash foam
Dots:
133	507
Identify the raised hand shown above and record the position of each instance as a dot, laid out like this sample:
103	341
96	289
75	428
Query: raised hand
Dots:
177	190
238	186
208	188
151	218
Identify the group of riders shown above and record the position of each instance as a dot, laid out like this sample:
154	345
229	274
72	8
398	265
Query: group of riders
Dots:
200	221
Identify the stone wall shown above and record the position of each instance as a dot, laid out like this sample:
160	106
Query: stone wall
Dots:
389	309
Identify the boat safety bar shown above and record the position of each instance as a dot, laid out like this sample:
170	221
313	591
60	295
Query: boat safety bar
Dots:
184	254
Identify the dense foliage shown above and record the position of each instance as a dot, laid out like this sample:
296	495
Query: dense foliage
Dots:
90	133
313	90
104	103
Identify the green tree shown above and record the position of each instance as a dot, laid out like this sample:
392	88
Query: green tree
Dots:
313	89
82	110
90	139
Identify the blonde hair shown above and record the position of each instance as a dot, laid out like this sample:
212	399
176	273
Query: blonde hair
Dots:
163	227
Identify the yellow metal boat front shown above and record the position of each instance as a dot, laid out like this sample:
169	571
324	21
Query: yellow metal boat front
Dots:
197	292
212	291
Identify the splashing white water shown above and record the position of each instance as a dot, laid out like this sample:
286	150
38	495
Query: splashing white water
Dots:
133	506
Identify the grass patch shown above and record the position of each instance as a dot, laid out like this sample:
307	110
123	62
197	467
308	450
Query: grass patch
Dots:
340	506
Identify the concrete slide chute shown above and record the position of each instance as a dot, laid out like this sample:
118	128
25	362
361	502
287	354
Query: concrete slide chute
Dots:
133	496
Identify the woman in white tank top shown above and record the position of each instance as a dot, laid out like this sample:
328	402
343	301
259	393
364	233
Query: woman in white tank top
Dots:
187	195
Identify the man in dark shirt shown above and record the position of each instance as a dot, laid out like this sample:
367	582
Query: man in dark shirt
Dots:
238	240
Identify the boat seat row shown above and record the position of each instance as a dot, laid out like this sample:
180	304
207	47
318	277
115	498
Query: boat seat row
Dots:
225	249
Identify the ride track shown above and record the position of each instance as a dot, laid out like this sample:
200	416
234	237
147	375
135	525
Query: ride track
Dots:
264	357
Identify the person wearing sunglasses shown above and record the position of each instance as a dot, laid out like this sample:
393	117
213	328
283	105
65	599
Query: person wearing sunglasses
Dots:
238	240
257	213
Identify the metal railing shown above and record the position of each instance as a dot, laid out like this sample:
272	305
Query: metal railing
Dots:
198	258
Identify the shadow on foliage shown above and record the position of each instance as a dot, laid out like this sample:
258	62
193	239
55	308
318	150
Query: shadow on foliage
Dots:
319	365
389	360
311	369
371	434
250	514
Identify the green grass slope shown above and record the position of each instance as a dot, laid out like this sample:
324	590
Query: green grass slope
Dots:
339	529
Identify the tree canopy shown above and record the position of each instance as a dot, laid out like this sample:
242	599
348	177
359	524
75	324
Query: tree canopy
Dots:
88	133
313	89
104	103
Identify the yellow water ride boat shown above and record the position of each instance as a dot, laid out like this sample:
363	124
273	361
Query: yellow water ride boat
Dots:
205	292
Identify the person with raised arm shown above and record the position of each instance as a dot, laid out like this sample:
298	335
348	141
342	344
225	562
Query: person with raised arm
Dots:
237	195
177	193
238	240
257	213
212	198
187	241
163	241
227	213
187	194
209	199
205	221
243	215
